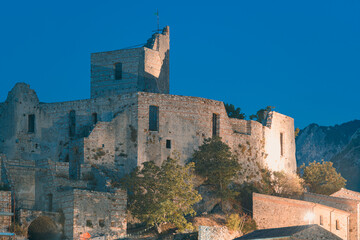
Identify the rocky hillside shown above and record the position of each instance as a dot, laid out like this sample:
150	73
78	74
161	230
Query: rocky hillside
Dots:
339	144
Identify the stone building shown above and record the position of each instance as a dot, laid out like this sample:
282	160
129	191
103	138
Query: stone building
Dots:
338	213
55	156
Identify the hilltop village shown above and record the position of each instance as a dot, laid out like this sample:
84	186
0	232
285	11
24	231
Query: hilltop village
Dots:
59	159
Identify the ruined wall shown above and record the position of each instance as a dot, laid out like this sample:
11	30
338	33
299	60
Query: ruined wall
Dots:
6	210
349	205
22	178
156	64
143	69
280	143
114	144
274	212
51	137
185	121
210	233
15	139
98	213
103	82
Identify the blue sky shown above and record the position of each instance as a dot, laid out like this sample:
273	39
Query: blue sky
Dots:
303	57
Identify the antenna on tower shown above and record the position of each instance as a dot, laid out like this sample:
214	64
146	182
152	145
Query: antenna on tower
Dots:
158	21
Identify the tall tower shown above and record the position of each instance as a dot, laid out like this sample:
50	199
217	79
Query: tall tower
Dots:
143	69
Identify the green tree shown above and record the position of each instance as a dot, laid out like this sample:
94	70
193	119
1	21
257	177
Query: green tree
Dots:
261	114
233	112
165	194
215	162
322	178
297	131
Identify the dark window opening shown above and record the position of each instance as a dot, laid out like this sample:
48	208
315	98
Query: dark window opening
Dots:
72	123
321	220
282	144
89	223
337	225
118	71
101	223
94	118
215	124
103	145
113	224
154	118
31	123
50	202
168	144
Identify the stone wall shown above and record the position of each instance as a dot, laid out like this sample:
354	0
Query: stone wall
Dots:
349	205
210	233
99	213
143	69
6	211
274	212
281	153
187	121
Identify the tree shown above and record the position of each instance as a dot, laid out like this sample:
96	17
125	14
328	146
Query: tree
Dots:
214	161
322	178
287	184
260	115
165	194
233	112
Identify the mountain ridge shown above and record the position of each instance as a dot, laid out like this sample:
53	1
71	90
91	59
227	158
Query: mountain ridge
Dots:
339	144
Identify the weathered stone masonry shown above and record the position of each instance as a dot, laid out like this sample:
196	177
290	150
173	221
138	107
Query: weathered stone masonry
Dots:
68	152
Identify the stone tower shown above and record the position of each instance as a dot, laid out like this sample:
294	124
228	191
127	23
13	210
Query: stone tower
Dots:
143	69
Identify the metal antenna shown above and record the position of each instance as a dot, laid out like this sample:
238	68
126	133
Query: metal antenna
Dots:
158	20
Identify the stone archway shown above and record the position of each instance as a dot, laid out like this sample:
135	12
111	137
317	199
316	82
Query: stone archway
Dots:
43	228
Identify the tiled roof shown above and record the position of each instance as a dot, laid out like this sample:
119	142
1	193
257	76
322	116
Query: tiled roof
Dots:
280	232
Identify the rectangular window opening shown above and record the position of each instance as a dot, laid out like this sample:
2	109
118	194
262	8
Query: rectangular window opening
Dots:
337	225
215	124
321	220
118	71
168	144
50	199
282	144
94	118
101	223
31	123
89	223
72	123
154	118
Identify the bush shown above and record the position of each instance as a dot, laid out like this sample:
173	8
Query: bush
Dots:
249	226
235	222
240	222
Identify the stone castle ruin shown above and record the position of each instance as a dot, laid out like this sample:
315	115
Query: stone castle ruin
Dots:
60	159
